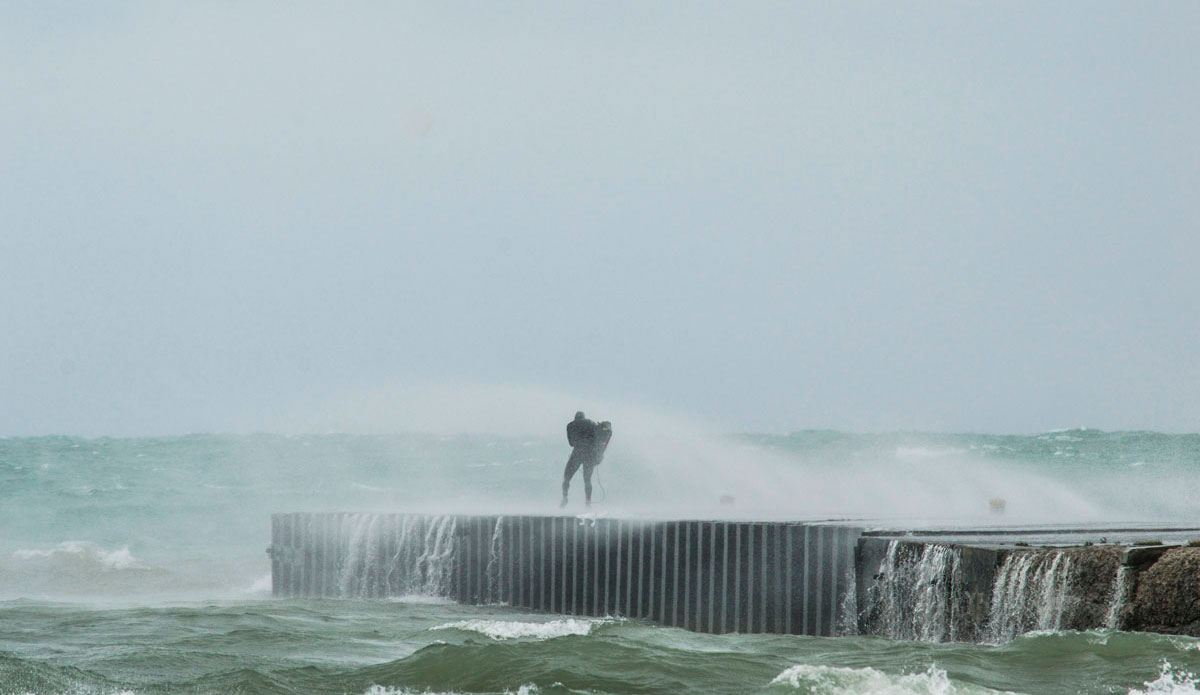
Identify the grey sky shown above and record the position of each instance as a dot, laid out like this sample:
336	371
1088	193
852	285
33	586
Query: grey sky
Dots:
768	216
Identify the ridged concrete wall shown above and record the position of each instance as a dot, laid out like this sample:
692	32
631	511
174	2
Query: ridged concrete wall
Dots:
708	576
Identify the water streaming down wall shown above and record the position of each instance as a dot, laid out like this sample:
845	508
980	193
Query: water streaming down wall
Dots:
1080	588
936	592
1032	592
912	596
1122	589
709	576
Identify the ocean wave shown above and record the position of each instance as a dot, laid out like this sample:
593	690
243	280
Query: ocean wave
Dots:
835	680
514	629
79	568
32	677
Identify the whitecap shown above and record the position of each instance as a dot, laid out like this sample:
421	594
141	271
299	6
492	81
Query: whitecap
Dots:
81	551
835	680
422	599
515	629
526	689
1171	681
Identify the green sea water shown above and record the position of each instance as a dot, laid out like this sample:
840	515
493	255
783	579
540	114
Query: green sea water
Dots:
138	565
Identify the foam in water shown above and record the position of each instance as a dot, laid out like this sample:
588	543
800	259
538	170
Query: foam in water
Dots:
833	680
422	600
1171	681
527	689
514	629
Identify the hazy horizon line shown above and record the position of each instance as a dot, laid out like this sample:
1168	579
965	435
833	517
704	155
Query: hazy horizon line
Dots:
514	435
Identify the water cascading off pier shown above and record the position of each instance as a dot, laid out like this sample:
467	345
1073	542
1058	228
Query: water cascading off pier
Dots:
708	576
746	576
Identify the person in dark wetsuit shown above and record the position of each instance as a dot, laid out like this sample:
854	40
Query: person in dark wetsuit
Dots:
588	442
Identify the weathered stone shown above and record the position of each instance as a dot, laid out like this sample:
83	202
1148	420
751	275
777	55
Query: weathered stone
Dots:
1091	582
1144	555
1167	595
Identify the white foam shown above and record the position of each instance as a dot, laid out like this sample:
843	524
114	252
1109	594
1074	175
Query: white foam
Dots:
833	680
513	629
80	551
1170	681
262	585
422	599
527	689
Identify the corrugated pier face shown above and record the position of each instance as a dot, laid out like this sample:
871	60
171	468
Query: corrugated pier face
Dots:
708	576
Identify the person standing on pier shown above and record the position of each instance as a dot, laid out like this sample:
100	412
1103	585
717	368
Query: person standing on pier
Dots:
588	442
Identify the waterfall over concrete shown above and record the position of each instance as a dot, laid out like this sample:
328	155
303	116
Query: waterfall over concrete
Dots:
710	576
1031	593
912	594
935	591
1122	588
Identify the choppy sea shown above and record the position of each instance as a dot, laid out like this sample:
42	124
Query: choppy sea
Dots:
139	565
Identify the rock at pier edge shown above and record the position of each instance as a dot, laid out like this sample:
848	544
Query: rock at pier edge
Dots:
939	591
1167	595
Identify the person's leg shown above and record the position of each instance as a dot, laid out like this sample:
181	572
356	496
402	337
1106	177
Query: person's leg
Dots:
572	466
587	481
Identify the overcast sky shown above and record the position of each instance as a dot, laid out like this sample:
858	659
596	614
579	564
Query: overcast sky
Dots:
769	216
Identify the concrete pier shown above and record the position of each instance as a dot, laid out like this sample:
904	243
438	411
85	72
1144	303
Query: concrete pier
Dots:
707	576
986	585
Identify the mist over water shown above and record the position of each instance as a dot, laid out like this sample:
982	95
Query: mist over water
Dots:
189	515
663	464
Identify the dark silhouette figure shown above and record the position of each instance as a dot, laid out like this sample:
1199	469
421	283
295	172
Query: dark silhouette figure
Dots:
588	442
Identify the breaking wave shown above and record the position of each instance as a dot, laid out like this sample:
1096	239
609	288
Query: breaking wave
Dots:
514	629
79	555
1172	681
834	680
